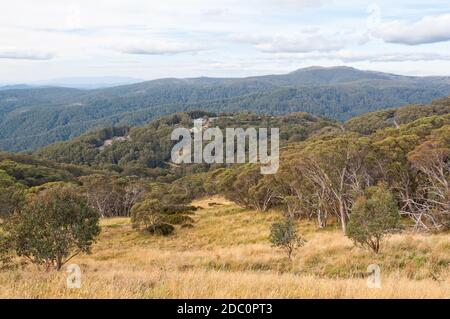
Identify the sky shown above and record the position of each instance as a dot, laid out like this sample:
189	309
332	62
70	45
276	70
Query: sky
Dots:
148	39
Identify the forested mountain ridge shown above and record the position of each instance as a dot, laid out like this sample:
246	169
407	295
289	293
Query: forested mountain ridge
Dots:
146	150
32	118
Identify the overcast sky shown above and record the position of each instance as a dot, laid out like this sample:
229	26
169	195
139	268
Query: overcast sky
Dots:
151	39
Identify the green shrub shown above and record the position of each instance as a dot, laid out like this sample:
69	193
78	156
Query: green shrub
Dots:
156	218
53	225
373	217
285	236
162	229
146	214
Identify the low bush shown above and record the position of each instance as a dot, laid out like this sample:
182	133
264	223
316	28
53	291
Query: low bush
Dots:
162	229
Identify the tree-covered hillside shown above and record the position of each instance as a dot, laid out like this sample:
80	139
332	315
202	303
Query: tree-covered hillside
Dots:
145	150
32	118
32	171
371	122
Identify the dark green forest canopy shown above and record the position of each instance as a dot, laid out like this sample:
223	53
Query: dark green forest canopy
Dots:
32	118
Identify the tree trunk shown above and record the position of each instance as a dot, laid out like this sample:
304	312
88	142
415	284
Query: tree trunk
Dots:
321	219
343	216
59	263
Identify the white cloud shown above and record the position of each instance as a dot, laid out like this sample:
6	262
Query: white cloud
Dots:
298	4
15	54
402	57
309	39
429	29
157	47
358	56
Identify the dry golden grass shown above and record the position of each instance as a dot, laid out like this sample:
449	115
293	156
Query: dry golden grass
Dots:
227	255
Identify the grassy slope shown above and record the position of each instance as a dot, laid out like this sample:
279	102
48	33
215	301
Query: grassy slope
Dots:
227	255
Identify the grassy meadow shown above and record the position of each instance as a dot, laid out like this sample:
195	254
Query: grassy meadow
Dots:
227	255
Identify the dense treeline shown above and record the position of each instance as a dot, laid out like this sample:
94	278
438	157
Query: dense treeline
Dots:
412	160
32	118
145	150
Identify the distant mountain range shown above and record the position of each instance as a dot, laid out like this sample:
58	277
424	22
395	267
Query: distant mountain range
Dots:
87	83
15	87
35	117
